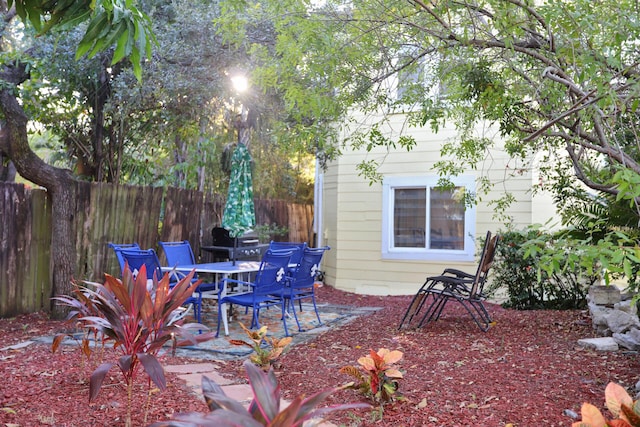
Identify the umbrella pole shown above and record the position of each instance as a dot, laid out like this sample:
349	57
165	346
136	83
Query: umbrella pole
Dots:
235	249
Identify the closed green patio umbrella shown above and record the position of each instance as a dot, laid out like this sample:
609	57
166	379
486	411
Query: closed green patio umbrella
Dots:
239	211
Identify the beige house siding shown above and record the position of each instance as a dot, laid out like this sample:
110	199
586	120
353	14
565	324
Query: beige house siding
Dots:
353	209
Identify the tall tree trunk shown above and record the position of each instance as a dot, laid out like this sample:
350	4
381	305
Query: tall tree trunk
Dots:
7	168
102	94
179	154
202	154
60	184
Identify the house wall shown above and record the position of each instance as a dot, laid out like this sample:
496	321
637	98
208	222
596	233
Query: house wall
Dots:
353	208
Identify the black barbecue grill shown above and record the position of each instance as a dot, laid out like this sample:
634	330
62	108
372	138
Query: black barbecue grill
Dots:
225	247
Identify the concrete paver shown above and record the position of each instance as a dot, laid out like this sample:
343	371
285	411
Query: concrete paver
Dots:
239	391
191	368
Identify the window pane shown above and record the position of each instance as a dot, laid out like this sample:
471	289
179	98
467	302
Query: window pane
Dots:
447	219
408	82
409	217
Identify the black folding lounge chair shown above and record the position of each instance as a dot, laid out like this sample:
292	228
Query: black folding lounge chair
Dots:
456	285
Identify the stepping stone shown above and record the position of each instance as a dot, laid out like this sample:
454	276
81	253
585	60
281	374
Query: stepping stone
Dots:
239	392
191	368
599	344
192	374
17	346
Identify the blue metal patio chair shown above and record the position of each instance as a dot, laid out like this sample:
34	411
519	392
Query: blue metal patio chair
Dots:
178	253
116	246
297	247
181	253
136	258
302	281
266	290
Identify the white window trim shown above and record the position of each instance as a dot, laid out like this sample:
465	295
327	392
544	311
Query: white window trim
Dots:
424	75
389	252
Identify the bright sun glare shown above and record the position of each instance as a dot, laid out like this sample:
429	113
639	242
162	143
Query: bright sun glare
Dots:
240	83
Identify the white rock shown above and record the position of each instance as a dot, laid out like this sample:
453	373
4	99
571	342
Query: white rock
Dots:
599	344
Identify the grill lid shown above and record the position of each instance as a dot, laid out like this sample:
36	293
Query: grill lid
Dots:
221	237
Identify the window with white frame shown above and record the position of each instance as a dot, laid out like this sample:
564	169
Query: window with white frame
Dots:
423	221
417	78
409	77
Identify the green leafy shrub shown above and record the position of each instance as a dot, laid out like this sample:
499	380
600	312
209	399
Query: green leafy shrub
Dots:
264	409
267	232
605	228
266	349
521	267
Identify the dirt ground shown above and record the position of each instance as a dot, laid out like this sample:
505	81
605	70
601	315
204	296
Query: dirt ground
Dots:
527	370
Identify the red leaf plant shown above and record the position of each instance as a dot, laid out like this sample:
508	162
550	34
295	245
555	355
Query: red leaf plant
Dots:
264	409
140	318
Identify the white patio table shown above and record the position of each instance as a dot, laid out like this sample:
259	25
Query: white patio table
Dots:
221	270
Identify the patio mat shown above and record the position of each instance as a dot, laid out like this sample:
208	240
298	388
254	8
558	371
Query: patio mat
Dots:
221	349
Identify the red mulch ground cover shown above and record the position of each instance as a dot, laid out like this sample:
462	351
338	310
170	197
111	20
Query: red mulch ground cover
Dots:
526	370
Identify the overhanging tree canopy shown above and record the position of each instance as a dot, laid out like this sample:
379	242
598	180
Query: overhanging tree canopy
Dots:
110	22
553	76
116	23
120	33
559	80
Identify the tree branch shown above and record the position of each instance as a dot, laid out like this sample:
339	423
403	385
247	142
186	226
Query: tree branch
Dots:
575	160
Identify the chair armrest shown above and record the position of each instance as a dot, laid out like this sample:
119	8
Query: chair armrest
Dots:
177	275
444	279
452	284
458	273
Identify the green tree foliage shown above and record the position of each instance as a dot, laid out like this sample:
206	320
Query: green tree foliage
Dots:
552	76
557	81
110	23
110	119
189	80
171	128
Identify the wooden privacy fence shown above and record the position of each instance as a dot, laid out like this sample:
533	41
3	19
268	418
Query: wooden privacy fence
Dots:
112	213
25	239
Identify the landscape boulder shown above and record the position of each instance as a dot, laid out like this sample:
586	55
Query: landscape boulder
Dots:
613	314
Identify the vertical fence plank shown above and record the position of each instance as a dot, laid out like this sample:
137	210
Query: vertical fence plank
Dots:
25	228
300	223
82	223
102	228
12	200
181	220
115	221
25	287
40	248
